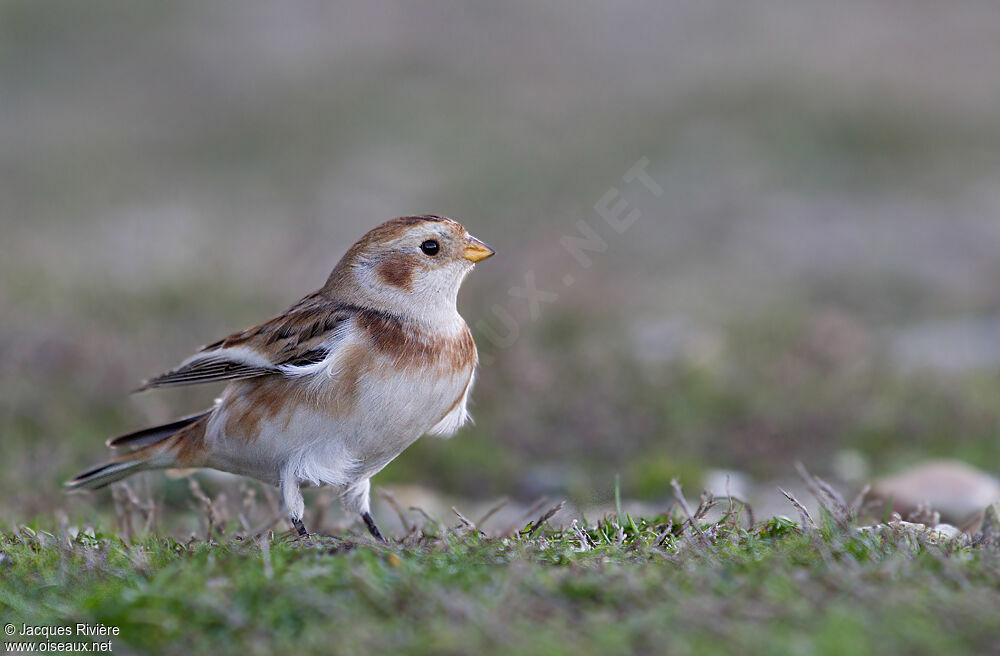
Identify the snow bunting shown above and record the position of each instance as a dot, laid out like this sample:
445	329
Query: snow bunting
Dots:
333	389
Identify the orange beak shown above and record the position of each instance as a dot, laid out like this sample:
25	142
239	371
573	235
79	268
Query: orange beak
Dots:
476	250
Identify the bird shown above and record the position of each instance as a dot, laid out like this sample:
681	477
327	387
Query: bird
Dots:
332	390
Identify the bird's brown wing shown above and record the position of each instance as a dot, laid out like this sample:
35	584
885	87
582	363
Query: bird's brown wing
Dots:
300	336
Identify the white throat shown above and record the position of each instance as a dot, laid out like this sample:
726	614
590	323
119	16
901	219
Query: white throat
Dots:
432	301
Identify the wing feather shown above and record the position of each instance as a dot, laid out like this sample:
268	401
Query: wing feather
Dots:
301	336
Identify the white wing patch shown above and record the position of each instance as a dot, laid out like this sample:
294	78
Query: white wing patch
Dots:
218	365
235	354
330	365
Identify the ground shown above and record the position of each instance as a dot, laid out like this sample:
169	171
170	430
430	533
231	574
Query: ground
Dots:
617	585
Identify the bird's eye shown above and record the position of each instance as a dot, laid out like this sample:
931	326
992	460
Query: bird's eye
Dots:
430	247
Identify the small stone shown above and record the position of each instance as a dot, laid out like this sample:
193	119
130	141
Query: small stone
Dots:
946	532
954	489
939	533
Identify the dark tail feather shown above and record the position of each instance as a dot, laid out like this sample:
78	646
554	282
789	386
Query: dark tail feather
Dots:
151	448
153	435
106	474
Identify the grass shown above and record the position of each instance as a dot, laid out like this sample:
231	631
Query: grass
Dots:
619	584
679	583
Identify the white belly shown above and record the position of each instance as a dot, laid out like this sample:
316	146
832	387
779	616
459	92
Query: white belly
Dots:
314	445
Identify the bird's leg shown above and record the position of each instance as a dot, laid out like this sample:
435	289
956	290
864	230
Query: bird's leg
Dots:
291	496
357	499
300	527
372	528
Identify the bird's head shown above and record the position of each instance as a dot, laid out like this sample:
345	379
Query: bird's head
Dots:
413	265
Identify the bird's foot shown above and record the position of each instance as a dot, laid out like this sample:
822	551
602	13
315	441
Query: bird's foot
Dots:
300	528
372	528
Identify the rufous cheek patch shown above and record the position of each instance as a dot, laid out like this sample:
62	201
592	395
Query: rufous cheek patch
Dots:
397	271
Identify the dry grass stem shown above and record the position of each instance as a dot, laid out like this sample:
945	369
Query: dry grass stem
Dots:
390	498
679	495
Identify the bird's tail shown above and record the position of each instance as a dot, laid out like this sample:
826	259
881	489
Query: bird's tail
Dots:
152	448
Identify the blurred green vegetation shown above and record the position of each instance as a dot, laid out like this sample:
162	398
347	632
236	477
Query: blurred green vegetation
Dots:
818	282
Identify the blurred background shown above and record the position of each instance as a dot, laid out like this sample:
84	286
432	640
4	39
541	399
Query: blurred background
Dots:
817	280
